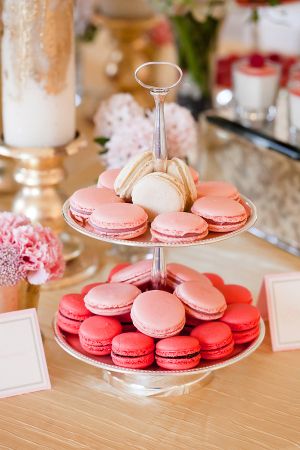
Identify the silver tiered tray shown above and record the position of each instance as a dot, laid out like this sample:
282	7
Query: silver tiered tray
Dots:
154	381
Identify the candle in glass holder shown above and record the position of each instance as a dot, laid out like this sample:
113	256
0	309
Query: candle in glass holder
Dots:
38	73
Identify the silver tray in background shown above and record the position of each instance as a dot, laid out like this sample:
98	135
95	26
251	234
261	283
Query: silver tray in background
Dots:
145	239
153	381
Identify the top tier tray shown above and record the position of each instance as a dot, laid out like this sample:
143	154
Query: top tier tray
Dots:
145	240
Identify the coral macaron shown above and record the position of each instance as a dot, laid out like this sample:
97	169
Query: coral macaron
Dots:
133	350
243	319
111	299
84	201
119	221
96	334
72	312
217	189
201	302
215	339
178	353
221	214
178	227
158	314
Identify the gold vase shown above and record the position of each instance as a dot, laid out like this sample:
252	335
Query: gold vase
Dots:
23	295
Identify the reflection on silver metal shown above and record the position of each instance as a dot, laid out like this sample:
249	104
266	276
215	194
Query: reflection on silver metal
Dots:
146	240
153	381
159	273
159	94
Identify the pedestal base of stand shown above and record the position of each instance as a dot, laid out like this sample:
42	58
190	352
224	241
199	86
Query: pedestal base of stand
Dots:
156	385
82	263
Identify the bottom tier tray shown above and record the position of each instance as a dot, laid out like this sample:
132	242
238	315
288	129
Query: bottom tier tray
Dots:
153	381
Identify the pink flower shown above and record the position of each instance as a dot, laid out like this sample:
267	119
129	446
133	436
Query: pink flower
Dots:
11	270
9	221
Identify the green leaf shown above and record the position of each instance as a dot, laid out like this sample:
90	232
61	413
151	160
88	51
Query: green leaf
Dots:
101	140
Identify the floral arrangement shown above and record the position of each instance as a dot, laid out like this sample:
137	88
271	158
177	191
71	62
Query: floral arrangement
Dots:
124	129
28	252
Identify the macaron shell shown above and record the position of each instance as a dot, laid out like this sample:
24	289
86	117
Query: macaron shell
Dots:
72	307
212	335
218	353
111	299
217	189
178	353
96	334
235	293
202	302
222	214
179	226
241	316
69	325
147	194
178	364
245	336
107	178
158	314
138	362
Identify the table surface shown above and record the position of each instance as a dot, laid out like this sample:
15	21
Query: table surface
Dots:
252	405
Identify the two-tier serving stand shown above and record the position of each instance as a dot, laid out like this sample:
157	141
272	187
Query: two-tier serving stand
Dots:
154	381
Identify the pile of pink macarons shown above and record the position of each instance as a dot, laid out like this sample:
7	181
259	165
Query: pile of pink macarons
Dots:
176	206
197	317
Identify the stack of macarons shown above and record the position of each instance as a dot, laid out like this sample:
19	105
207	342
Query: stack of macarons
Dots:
198	317
179	208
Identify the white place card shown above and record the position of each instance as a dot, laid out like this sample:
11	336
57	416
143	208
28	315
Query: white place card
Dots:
23	366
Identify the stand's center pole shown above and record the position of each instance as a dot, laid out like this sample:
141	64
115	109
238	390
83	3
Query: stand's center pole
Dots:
159	136
159	272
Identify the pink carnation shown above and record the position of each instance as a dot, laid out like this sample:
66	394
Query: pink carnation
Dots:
8	222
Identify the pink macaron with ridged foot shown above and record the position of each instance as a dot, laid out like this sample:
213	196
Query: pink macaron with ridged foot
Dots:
221	214
133	350
178	353
84	201
179	273
111	299
215	339
71	313
96	334
158	314
107	178
119	221
201	302
178	227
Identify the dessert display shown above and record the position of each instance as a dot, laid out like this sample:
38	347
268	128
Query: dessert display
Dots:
144	315
185	325
255	82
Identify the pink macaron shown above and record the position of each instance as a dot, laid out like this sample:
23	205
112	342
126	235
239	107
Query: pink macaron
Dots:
215	339
96	334
243	319
217	189
221	214
116	269
71	313
111	299
178	353
201	302
179	273
138	274
216	280
178	227
84	201
236	293
158	314
119	220
133	350
107	178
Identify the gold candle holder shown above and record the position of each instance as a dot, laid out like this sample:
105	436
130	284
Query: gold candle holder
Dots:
39	172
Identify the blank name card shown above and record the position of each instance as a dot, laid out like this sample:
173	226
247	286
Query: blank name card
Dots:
23	365
281	295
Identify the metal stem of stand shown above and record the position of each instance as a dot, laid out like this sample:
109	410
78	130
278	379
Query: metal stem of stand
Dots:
159	93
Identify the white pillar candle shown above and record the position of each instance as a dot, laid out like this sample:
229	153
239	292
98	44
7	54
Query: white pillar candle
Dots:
38	73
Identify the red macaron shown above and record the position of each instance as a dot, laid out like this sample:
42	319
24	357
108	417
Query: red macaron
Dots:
178	353
216	280
243	319
133	350
235	293
215	339
96	334
71	313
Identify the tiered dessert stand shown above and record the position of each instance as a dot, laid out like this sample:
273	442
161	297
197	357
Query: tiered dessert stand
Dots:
153	381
